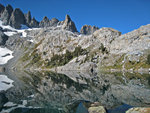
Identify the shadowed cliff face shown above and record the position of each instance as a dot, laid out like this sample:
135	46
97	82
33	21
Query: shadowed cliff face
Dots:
61	91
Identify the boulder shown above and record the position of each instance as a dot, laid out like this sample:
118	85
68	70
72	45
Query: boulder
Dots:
69	25
139	110
5	16
87	29
17	19
97	109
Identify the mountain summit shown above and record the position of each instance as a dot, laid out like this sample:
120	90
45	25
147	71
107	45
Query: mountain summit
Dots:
16	18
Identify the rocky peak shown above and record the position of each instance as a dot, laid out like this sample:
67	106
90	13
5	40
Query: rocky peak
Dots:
45	22
28	18
54	21
68	24
5	16
68	19
87	29
17	18
1	9
34	23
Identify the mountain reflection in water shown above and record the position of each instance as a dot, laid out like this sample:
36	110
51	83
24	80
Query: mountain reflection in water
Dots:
62	93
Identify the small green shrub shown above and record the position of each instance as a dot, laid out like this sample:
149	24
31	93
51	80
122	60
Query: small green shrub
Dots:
59	60
103	49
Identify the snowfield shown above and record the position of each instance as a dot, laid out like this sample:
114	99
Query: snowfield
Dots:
5	83
5	55
6	27
14	31
9	33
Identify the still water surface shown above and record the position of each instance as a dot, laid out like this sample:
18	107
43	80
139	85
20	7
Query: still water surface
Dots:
72	92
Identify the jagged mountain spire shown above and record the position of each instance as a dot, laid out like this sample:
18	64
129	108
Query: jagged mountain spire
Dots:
5	16
17	19
68	24
28	18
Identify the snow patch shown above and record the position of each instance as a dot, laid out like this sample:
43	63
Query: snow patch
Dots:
5	83
10	104
6	27
30	40
5	55
9	33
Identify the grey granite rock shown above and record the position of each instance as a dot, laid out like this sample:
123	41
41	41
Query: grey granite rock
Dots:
3	99
17	19
68	24
28	18
3	38
87	29
53	22
34	23
5	16
45	22
1	9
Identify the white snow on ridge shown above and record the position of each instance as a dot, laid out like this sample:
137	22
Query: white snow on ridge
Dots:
14	31
5	83
24	34
5	55
9	33
6	27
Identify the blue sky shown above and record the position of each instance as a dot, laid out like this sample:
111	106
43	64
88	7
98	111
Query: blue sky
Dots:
123	15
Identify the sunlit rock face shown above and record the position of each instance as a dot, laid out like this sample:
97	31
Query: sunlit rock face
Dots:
87	29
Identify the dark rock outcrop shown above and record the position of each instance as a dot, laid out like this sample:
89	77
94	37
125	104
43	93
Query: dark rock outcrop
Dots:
28	18
87	29
17	18
1	9
5	16
3	99
3	38
68	24
45	22
34	23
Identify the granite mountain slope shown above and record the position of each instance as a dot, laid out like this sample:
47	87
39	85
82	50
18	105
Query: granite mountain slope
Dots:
59	46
